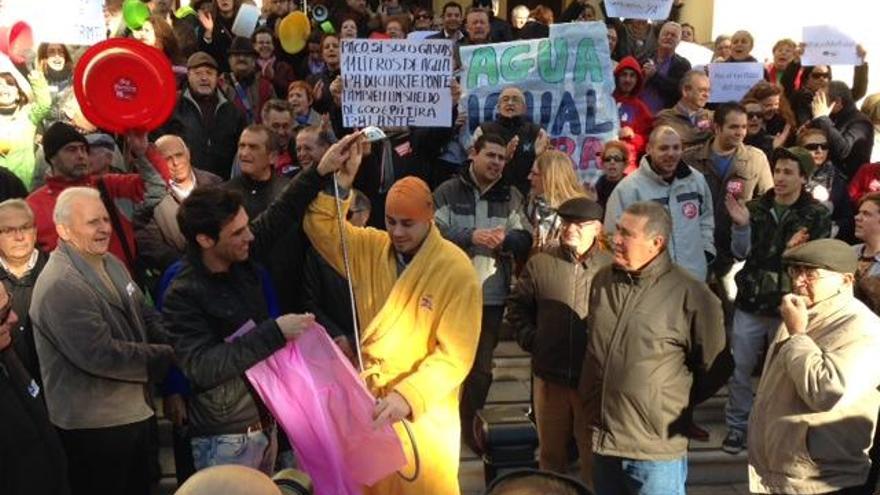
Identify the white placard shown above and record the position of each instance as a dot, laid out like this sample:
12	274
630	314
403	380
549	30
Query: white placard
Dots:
730	81
697	55
72	22
639	9
827	45
420	35
396	83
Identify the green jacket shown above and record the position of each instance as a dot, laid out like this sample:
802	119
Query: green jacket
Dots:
17	144
763	281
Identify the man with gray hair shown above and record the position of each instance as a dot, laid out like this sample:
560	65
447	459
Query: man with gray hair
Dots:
93	331
663	69
657	334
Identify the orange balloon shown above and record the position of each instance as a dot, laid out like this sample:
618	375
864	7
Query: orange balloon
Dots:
294	31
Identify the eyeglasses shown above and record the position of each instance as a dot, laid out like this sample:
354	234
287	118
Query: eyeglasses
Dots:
754	115
820	75
23	229
811	274
816	146
613	158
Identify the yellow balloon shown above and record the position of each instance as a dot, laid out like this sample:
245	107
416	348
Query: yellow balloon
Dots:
293	31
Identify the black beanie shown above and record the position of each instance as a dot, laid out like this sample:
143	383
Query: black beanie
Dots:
57	136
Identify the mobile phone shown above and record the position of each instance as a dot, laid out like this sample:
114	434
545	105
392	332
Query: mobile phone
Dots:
373	134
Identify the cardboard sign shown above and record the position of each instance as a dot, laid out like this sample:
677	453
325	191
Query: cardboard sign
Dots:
397	83
567	82
639	9
827	45
731	81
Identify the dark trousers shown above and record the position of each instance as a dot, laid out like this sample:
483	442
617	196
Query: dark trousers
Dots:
108	461
478	381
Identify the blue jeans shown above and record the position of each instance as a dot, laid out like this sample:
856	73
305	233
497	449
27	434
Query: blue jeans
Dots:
750	332
619	476
256	449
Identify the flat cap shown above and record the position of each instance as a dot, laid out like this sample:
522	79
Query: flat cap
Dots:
828	254
201	59
580	210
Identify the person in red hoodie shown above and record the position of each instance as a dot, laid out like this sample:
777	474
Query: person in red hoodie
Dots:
636	119
67	152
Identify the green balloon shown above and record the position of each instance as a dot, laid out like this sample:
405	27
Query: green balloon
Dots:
135	13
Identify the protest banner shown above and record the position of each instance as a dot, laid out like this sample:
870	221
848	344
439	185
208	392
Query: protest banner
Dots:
71	22
827	45
567	81
396	83
639	9
731	81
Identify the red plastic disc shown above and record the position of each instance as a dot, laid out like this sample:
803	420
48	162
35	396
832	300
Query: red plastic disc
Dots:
122	84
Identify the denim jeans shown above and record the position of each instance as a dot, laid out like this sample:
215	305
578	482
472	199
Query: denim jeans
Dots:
619	476
750	331
256	449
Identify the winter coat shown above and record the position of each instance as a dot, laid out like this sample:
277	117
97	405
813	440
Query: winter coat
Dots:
667	87
212	149
763	280
634	112
100	349
750	168
201	309
548	311
816	407
850	137
17	148
655	344
695	129
21	290
250	98
461	208
689	202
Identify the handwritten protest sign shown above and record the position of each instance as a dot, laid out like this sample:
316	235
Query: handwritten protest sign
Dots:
827	45
72	22
567	82
639	9
731	81
392	83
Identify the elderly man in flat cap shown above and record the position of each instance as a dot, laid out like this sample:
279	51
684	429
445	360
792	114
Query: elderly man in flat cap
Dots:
548	311
816	407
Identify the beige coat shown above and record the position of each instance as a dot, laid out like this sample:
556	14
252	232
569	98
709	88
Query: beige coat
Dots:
816	408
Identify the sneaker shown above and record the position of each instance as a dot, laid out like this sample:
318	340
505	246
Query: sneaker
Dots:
734	442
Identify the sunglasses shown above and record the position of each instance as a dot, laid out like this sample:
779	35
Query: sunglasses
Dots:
820	75
754	115
816	146
613	158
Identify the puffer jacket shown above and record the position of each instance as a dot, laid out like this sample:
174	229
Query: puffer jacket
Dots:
750	168
634	112
816	407
655	347
689	202
201	309
461	209
763	281
548	311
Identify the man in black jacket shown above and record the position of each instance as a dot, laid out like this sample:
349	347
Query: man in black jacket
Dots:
32	461
208	122
850	133
219	291
548	311
664	69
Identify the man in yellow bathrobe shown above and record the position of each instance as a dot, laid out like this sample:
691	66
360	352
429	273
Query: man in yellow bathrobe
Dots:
418	303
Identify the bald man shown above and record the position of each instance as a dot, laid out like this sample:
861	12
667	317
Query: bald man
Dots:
159	240
229	479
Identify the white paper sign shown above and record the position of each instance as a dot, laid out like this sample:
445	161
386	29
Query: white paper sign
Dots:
396	83
72	22
639	9
731	81
827	45
697	55
421	35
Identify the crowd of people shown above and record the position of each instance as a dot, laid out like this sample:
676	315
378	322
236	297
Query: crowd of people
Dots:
721	242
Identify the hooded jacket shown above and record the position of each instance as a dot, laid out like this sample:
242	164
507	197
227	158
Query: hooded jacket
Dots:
689	202
634	112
